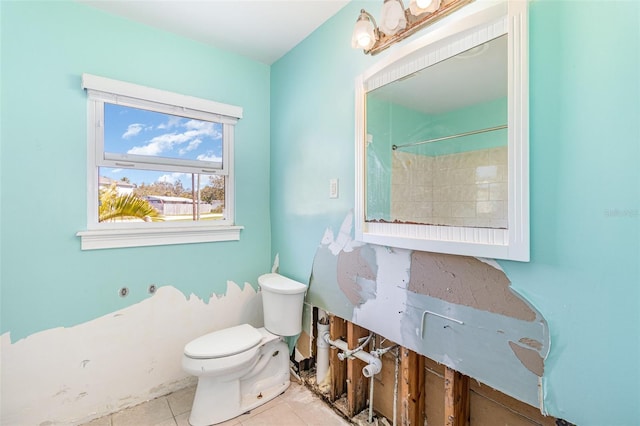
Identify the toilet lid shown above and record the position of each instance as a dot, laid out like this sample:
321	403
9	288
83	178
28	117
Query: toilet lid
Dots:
221	343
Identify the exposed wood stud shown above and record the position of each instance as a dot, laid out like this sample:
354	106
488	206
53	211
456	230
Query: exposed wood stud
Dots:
337	330
424	387
456	398
411	388
357	384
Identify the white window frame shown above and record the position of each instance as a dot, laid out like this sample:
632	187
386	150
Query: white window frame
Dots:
132	234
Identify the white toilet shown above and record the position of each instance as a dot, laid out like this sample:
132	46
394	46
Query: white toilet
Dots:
242	367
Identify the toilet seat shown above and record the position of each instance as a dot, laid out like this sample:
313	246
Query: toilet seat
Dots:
223	343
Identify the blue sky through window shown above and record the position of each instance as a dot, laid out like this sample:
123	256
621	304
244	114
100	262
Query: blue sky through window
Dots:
135	131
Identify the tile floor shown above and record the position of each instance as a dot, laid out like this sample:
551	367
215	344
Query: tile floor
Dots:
296	407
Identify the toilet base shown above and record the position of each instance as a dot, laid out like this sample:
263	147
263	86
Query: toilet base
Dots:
219	400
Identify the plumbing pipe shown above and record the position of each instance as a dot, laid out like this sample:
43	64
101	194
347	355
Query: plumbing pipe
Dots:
381	351
370	400
322	316
363	342
378	353
395	387
374	364
370	419
322	356
293	372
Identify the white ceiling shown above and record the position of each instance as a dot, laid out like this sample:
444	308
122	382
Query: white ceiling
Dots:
263	30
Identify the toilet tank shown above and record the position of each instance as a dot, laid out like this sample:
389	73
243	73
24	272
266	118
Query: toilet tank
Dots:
282	302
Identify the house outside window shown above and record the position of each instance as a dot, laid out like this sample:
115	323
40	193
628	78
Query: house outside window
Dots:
160	167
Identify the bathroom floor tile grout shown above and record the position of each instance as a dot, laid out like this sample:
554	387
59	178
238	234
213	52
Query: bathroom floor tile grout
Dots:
279	411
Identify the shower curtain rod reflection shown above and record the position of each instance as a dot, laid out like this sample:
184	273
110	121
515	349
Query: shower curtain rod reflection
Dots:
459	135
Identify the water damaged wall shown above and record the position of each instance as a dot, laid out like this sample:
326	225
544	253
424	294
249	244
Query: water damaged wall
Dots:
457	310
70	346
71	375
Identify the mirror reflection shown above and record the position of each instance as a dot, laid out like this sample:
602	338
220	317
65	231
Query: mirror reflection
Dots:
437	143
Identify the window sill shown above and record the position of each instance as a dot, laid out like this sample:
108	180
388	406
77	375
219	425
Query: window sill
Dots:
118	238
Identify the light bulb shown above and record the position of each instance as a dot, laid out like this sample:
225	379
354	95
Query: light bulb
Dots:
364	40
364	32
393	18
418	7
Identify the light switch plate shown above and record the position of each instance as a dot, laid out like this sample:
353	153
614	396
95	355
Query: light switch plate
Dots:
333	188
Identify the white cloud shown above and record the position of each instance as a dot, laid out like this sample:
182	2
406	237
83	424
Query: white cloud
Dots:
173	177
162	143
172	122
208	157
167	141
196	124
132	130
192	145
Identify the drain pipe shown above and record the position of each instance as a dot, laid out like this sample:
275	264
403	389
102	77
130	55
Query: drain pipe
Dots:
395	387
370	419
322	357
373	359
374	364
396	353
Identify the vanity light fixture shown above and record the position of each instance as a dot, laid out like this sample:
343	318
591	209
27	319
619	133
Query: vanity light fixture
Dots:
365	33
418	7
393	19
397	23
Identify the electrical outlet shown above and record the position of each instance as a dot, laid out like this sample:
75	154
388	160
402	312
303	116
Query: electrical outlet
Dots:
333	188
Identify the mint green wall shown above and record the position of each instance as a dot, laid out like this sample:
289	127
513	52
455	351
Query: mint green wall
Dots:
585	187
585	206
47	281
312	134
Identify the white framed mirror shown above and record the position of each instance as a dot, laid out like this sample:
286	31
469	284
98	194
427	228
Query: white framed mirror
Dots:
442	138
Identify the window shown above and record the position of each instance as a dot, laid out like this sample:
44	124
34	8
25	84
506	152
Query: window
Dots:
160	167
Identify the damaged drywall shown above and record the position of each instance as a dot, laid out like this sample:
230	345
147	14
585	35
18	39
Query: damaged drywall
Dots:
530	358
465	280
356	276
71	375
457	310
